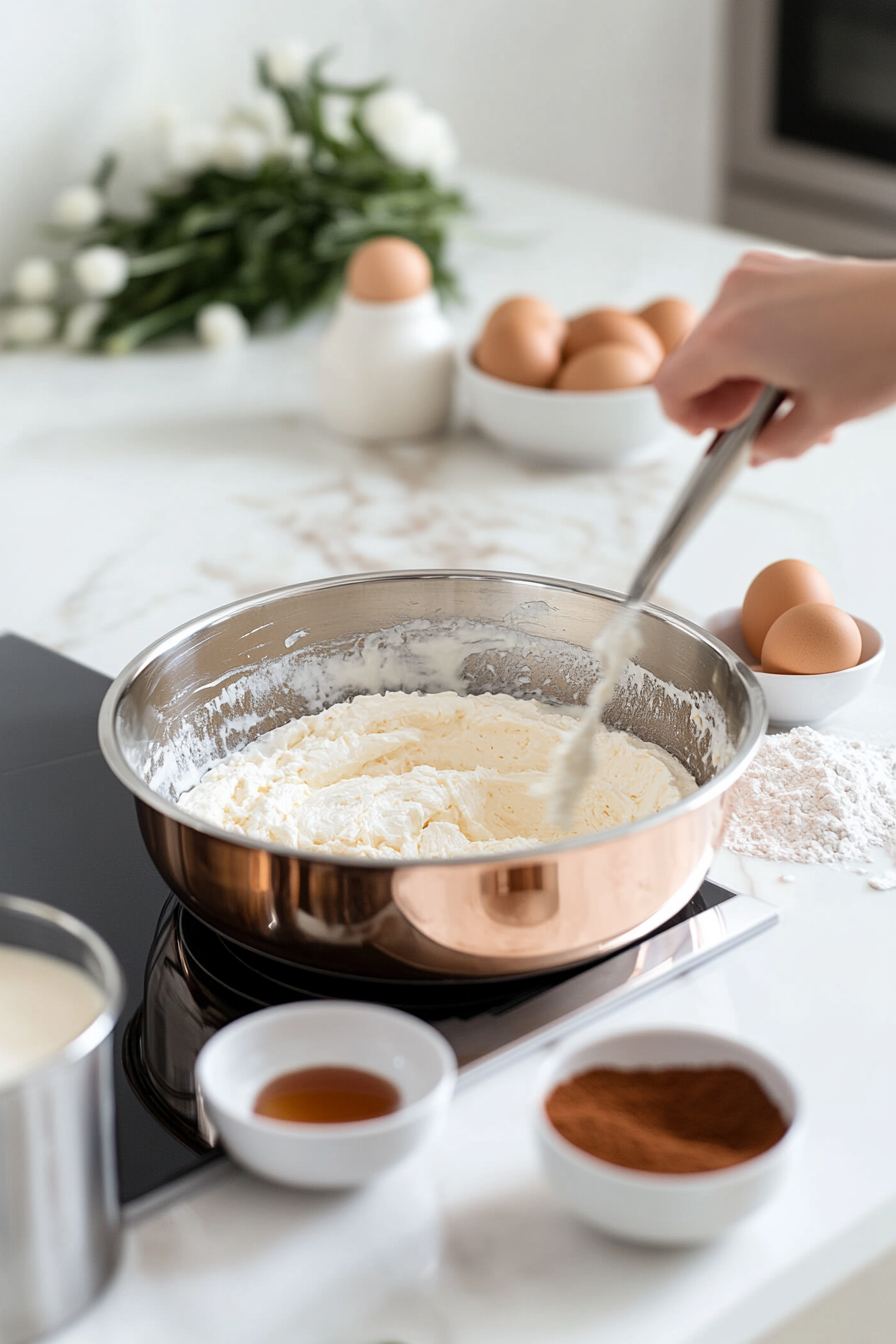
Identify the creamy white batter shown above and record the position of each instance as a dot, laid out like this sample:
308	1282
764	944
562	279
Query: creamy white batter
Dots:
44	1004
426	776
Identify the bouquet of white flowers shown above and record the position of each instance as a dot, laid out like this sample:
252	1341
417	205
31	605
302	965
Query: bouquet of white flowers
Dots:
257	219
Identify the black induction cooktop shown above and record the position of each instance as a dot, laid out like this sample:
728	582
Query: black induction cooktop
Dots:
69	836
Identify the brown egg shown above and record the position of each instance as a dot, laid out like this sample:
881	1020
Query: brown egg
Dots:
786	583
605	368
520	349
603	325
524	307
387	270
671	319
812	638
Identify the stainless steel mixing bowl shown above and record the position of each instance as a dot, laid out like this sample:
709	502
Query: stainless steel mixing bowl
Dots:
218	682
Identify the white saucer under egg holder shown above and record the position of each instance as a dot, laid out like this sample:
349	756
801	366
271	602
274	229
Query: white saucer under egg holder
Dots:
657	1208
799	700
598	429
242	1058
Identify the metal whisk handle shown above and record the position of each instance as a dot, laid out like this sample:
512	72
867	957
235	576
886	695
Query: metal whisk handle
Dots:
724	458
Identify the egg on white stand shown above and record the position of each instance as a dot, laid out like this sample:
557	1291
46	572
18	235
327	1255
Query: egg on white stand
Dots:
387	357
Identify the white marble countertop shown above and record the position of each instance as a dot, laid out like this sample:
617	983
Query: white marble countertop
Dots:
139	493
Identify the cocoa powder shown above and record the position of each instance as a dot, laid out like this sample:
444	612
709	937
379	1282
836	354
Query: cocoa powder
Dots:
667	1120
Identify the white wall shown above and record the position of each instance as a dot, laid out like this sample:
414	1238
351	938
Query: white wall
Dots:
615	96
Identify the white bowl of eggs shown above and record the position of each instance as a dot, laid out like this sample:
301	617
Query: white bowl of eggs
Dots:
809	657
577	391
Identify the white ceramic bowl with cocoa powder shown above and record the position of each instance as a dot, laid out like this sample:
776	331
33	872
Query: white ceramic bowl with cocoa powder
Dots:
660	1208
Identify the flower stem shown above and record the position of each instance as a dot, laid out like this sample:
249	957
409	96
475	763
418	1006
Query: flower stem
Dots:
165	260
159	323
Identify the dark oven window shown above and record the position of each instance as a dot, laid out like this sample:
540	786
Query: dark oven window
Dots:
836	75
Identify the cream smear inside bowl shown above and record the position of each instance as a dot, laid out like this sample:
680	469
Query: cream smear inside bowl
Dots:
427	656
405	776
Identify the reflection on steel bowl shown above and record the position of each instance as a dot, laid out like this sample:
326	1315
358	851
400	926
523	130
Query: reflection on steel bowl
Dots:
217	683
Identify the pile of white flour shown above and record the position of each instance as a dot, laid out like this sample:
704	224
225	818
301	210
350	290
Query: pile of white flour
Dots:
808	798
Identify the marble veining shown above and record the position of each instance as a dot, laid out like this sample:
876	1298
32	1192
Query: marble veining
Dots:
217	510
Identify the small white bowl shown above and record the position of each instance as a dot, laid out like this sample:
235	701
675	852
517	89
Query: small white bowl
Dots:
242	1058
795	700
658	1208
599	429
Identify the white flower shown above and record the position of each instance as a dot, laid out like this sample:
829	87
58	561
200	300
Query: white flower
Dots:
240	149
82	322
79	207
438	147
30	324
388	113
221	325
409	133
336	110
190	148
427	143
265	111
168	116
297	149
288	62
35	279
101	271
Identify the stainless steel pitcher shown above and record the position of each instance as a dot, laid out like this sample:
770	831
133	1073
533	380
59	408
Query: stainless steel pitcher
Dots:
59	1213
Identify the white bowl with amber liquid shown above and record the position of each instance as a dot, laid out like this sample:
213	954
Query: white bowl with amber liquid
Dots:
405	1055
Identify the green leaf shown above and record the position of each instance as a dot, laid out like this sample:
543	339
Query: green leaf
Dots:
273	240
107	165
199	219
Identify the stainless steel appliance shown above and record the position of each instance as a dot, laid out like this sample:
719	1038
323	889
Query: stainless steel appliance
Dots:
59	1216
811	152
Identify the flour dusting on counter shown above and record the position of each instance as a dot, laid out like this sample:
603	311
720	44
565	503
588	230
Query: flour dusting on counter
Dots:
808	798
401	776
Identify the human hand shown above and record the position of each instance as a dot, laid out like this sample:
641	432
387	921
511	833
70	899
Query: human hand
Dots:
824	330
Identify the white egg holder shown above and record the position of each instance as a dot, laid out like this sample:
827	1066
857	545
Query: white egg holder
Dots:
386	369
